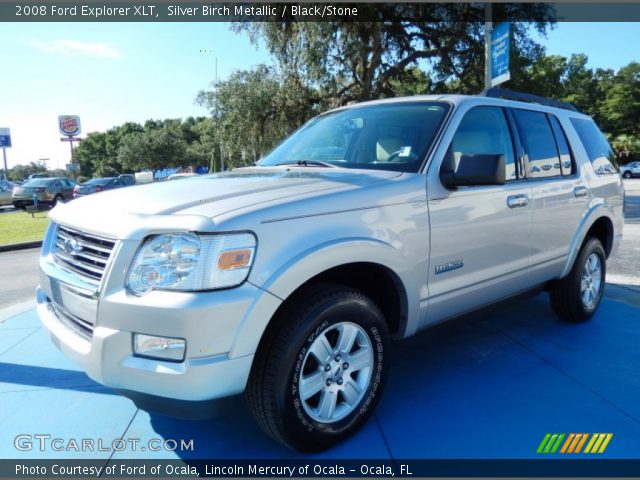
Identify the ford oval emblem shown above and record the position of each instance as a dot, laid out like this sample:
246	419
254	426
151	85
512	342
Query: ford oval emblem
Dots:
72	246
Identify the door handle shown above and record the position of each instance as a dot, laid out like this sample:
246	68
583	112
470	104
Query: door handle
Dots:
580	191
517	201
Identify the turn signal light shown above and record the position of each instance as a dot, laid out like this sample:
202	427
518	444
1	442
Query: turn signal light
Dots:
234	259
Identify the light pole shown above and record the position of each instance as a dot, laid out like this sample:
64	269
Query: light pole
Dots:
216	124
44	161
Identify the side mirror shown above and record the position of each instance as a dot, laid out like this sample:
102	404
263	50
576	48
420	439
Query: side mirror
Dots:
469	170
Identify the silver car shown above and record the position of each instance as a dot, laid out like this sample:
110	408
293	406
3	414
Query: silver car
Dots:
288	280
630	170
6	188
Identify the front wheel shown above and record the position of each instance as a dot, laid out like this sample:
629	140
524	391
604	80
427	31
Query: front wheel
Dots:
320	369
626	174
576	297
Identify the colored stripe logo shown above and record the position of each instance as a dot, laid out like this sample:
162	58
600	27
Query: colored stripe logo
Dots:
574	443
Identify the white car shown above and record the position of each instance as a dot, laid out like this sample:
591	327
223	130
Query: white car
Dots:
630	170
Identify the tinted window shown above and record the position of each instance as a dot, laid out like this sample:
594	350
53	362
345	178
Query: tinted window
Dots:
566	164
98	181
598	149
484	131
38	182
539	143
393	136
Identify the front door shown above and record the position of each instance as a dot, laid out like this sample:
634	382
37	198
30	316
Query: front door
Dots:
480	235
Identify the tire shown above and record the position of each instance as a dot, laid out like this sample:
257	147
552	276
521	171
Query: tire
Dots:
291	412
626	174
574	298
55	201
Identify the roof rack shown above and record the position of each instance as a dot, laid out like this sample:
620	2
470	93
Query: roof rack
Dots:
526	97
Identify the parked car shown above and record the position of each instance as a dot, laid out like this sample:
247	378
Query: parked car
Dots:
96	185
128	178
288	280
177	176
6	188
630	170
143	177
37	175
49	191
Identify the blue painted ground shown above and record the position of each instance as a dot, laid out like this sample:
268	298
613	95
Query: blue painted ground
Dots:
488	385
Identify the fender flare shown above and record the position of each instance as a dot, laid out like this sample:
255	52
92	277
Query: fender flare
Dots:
596	211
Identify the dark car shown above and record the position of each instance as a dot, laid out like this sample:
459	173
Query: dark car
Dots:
96	185
48	191
128	178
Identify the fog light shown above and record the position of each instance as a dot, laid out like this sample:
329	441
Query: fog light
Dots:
162	348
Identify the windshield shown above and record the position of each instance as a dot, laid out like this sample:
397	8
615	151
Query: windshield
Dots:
38	182
394	136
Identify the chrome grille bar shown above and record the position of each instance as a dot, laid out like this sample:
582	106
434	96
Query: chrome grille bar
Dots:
83	253
75	323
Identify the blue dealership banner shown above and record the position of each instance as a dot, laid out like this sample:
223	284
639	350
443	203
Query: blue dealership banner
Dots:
317	468
500	42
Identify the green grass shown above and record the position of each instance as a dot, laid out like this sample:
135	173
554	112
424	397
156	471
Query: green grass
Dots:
20	227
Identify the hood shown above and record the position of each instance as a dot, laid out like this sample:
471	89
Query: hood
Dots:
217	194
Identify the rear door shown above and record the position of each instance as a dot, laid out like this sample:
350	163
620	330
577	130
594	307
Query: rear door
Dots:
559	195
480	235
67	188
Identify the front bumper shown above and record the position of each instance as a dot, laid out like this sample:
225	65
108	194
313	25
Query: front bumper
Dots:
107	357
94	325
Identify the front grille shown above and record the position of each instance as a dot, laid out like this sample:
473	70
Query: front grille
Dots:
75	323
85	254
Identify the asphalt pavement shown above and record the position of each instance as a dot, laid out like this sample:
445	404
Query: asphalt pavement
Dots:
624	267
18	276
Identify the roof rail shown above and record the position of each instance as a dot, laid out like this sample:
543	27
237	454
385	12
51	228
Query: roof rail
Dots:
526	97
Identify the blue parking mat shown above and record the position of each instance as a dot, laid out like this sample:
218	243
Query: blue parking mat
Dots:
487	385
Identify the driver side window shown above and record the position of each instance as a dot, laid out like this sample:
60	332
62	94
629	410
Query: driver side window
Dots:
484	131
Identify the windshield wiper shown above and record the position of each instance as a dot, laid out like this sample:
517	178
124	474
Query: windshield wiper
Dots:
308	163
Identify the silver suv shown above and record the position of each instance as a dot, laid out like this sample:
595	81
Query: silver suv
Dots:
288	280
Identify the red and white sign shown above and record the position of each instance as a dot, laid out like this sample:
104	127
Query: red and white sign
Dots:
69	125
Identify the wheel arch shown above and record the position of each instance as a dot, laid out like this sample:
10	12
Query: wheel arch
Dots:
597	224
348	263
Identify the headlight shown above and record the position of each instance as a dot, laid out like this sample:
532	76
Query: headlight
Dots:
190	262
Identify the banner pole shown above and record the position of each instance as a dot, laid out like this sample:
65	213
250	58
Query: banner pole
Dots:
488	26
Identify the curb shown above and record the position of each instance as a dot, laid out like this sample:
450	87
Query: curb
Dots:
20	246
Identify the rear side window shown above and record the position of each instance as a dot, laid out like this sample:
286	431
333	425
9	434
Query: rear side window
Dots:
566	164
539	142
598	149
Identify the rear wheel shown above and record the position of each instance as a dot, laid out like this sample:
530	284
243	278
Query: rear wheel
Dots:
320	369
626	174
55	201
576	297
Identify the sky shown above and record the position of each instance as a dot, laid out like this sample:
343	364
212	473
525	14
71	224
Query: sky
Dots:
111	73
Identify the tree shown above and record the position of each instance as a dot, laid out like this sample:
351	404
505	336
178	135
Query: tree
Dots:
153	150
21	172
627	147
355	61
621	106
254	109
